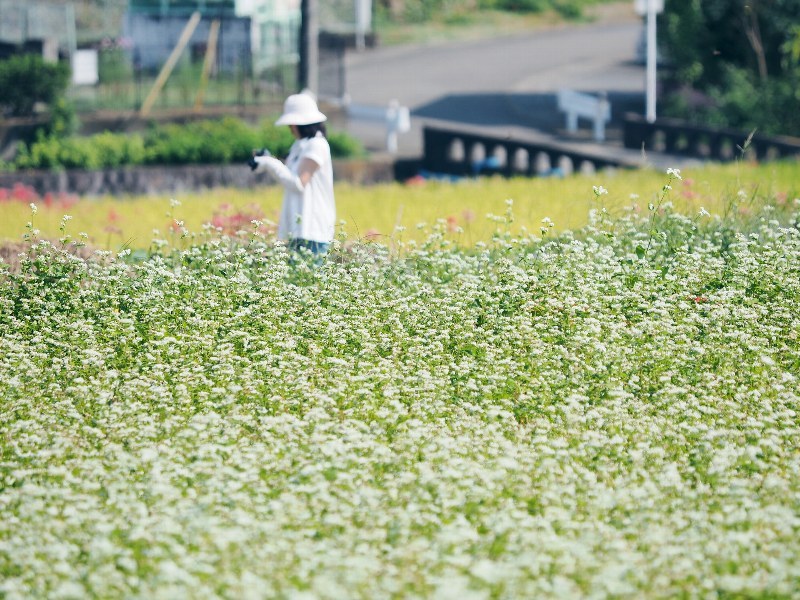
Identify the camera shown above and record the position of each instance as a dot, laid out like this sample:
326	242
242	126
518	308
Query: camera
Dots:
260	152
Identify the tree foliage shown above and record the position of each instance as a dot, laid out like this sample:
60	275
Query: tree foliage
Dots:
26	80
743	56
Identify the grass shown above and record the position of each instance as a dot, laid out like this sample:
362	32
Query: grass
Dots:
608	412
463	24
374	212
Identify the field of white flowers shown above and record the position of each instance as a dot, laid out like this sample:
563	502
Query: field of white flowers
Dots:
606	413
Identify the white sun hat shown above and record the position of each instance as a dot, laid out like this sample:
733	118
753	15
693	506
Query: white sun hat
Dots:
300	109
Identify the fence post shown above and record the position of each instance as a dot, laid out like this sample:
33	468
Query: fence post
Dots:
397	121
599	118
170	64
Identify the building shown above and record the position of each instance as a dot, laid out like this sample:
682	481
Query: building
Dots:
275	32
45	29
254	35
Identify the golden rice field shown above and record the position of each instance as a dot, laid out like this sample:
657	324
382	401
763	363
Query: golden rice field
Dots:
465	209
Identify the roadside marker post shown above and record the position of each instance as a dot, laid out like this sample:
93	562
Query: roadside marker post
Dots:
649	9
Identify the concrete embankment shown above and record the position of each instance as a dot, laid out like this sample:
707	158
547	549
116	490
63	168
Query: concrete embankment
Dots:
155	180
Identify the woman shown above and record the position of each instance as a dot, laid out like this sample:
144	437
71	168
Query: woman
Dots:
308	215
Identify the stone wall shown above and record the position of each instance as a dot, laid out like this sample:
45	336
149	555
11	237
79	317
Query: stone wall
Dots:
157	180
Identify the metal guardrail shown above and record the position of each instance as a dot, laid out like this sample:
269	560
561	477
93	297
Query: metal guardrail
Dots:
677	137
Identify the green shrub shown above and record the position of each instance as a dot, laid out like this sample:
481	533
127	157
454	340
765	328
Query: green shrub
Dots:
80	153
741	102
41	154
63	120
529	6
570	9
277	139
454	11
224	141
99	151
229	140
344	146
26	80
116	149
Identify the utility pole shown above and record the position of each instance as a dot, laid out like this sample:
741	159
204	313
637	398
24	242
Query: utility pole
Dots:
363	10
652	57
308	74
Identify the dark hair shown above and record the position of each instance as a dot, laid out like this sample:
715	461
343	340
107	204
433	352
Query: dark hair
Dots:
310	131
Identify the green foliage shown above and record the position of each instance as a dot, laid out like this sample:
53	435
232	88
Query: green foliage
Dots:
422	11
41	154
770	105
114	66
277	139
703	39
63	120
223	141
570	9
118	150
26	80
742	101
344	145
518	5
96	152
742	57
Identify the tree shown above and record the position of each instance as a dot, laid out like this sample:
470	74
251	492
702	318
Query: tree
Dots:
27	80
739	55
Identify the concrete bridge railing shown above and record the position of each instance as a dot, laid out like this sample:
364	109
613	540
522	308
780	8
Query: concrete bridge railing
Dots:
676	137
464	153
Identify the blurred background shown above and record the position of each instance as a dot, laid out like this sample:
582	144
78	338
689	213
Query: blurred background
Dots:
88	66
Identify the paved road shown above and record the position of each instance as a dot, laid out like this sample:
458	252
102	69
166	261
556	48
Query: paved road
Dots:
504	82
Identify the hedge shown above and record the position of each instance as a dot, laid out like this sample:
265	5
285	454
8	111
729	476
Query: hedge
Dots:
221	141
